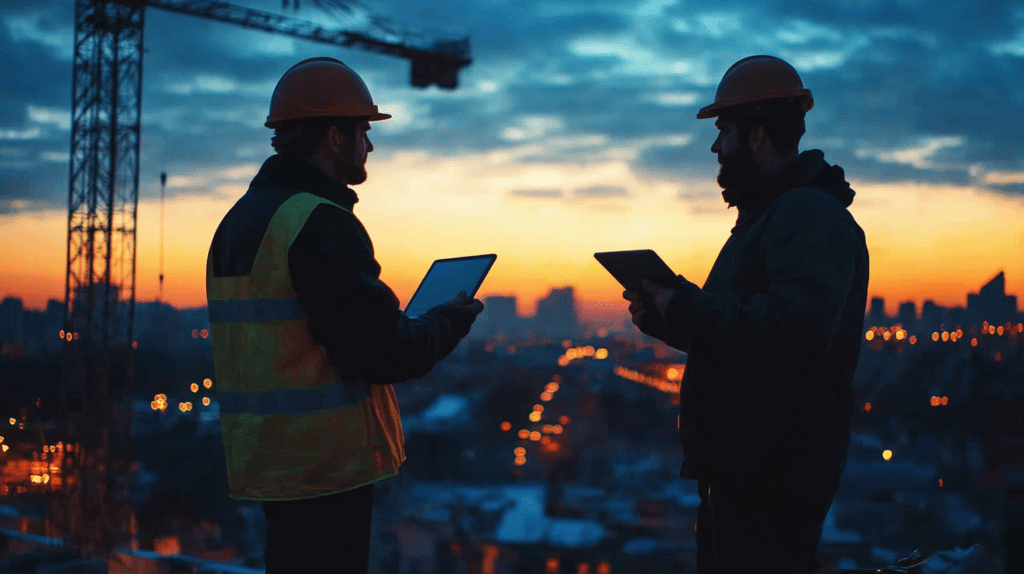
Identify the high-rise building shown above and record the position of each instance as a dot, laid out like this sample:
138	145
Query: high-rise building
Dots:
932	317
12	322
907	315
500	318
877	316
556	314
991	302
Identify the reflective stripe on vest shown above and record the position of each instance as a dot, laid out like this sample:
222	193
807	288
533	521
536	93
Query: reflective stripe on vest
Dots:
292	428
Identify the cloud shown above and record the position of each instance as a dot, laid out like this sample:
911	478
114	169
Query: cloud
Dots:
537	193
566	83
601	192
919	156
532	127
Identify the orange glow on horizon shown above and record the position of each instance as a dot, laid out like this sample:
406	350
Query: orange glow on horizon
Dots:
934	222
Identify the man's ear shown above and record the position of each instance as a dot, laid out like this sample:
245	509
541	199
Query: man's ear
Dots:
759	140
335	139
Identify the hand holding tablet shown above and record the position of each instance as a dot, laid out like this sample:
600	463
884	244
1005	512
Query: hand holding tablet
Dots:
446	279
630	268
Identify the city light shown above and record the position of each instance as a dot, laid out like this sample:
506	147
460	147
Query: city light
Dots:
506	426
551	387
940	483
935	337
672	373
944	400
207	383
601	354
991	330
535	436
535	417
570	354
520	451
935	401
887	335
551	566
913	340
524	434
974	342
887	454
1020	327
959	333
195	333
194	387
900	335
13	420
557	429
604	568
999	356
564	420
867	407
206	401
520	461
204	333
602	333
999	331
545	396
870	335
566	344
538	408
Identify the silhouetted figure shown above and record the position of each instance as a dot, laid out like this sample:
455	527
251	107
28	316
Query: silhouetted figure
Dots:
307	341
772	338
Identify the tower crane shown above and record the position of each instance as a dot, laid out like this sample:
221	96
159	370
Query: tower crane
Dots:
99	297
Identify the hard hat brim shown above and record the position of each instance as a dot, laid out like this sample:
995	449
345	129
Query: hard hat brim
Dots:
378	116
714	109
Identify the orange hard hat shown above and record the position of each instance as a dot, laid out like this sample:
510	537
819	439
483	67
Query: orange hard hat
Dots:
757	78
321	87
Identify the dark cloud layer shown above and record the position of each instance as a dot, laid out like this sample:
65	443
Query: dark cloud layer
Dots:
888	76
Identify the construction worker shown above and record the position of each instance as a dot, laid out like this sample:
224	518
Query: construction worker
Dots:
773	336
307	341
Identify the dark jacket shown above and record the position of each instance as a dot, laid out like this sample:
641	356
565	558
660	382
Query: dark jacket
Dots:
352	313
774	335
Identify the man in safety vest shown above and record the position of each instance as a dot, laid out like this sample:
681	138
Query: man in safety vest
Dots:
773	337
307	341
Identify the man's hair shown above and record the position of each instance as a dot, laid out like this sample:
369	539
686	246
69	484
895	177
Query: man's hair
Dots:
781	118
302	137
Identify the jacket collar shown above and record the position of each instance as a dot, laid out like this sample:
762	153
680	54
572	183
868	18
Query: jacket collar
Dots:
283	171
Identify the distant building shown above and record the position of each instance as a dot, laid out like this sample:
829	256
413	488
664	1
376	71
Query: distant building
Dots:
11	322
991	303
877	316
907	315
557	315
500	318
932	317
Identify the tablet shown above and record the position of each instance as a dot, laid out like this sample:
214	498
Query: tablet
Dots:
446	278
630	268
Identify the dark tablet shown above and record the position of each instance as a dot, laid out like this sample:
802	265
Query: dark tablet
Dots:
446	278
630	268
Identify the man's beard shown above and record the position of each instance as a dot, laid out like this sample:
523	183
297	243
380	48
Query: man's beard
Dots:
737	169
353	172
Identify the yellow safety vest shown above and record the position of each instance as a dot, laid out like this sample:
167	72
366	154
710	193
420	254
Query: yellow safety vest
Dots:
291	428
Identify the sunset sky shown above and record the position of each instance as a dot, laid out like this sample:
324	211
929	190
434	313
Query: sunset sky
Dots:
573	131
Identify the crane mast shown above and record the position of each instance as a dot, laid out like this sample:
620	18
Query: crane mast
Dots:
95	403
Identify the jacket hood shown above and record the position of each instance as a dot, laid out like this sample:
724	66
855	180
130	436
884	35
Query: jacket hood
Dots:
811	170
